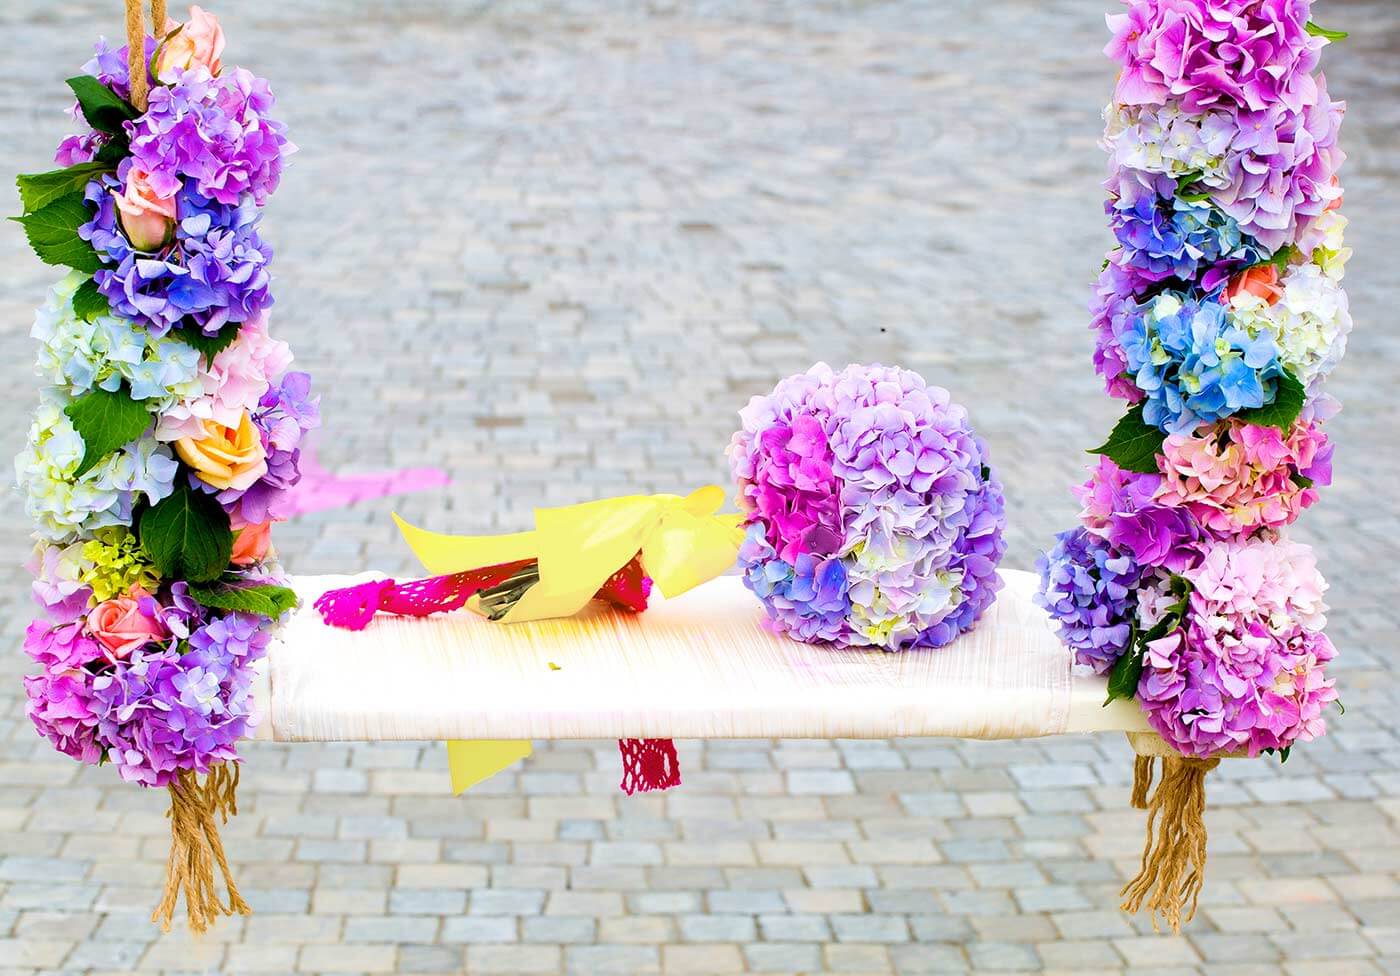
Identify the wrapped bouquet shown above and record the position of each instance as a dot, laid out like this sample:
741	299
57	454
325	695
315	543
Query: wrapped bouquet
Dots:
167	432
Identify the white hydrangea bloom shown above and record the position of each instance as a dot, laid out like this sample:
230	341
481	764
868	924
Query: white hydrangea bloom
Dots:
66	508
76	356
1309	323
1164	139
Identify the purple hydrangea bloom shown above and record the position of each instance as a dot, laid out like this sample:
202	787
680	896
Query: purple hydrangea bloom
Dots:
1121	507
214	272
218	133
1115	300
285	414
1087	587
162	712
919	514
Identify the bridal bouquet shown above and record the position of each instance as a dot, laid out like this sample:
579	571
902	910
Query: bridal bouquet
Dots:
873	515
169	423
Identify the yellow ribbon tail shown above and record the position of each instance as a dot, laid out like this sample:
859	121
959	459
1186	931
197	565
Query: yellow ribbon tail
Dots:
473	760
681	541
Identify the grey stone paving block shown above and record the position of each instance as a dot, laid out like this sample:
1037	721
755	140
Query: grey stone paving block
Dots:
683	202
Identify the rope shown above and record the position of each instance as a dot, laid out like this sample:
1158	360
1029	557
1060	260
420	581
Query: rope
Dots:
136	65
1174	860
196	850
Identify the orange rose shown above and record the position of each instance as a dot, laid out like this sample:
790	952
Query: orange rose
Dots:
1261	281
250	543
225	457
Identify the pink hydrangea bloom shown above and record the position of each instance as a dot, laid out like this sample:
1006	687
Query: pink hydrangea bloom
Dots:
1237	477
233	384
1246	669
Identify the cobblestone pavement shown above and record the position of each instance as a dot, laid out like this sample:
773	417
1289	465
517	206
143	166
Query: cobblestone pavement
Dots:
553	248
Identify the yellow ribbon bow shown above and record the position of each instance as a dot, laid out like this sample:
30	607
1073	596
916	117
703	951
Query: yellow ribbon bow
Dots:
682	542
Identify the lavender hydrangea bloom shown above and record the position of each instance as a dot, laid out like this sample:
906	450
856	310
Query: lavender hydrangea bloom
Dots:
213	273
1087	586
162	711
217	132
917	530
1113	305
1194	364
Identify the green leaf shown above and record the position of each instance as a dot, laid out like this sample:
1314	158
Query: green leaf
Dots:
1282	258
1302	480
1283	754
1331	35
53	233
209	346
101	106
1185	180
105	421
1127	672
1287	404
113	151
263	599
187	535
89	303
1134	444
38	190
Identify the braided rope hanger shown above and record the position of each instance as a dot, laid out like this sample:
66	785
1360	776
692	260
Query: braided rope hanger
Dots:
136	45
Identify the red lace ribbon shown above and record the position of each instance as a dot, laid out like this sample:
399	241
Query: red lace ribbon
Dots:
648	764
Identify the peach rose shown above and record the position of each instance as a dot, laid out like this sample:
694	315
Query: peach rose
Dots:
199	42
1261	281
120	626
251	543
147	217
225	457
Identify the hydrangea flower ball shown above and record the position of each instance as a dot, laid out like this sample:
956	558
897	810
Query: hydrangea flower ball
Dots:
873	515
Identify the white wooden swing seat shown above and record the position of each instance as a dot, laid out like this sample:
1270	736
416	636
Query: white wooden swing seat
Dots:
698	666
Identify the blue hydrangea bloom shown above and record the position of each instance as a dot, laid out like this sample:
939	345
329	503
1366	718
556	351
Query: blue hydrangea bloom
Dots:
1195	365
808	598
1167	237
1087	588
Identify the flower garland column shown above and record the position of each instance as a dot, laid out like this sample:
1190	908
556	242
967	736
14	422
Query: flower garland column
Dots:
1219	314
167	432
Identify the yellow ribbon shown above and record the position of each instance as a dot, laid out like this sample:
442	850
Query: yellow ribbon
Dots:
682	542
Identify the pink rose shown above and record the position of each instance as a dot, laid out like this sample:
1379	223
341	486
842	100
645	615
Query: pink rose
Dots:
147	217
121	627
251	543
198	43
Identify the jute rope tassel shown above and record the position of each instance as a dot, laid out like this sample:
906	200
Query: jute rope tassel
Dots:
196	849
136	45
1174	859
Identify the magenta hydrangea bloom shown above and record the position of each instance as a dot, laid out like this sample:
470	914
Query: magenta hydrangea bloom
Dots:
1122	508
218	133
60	704
874	516
1243	54
1245	670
